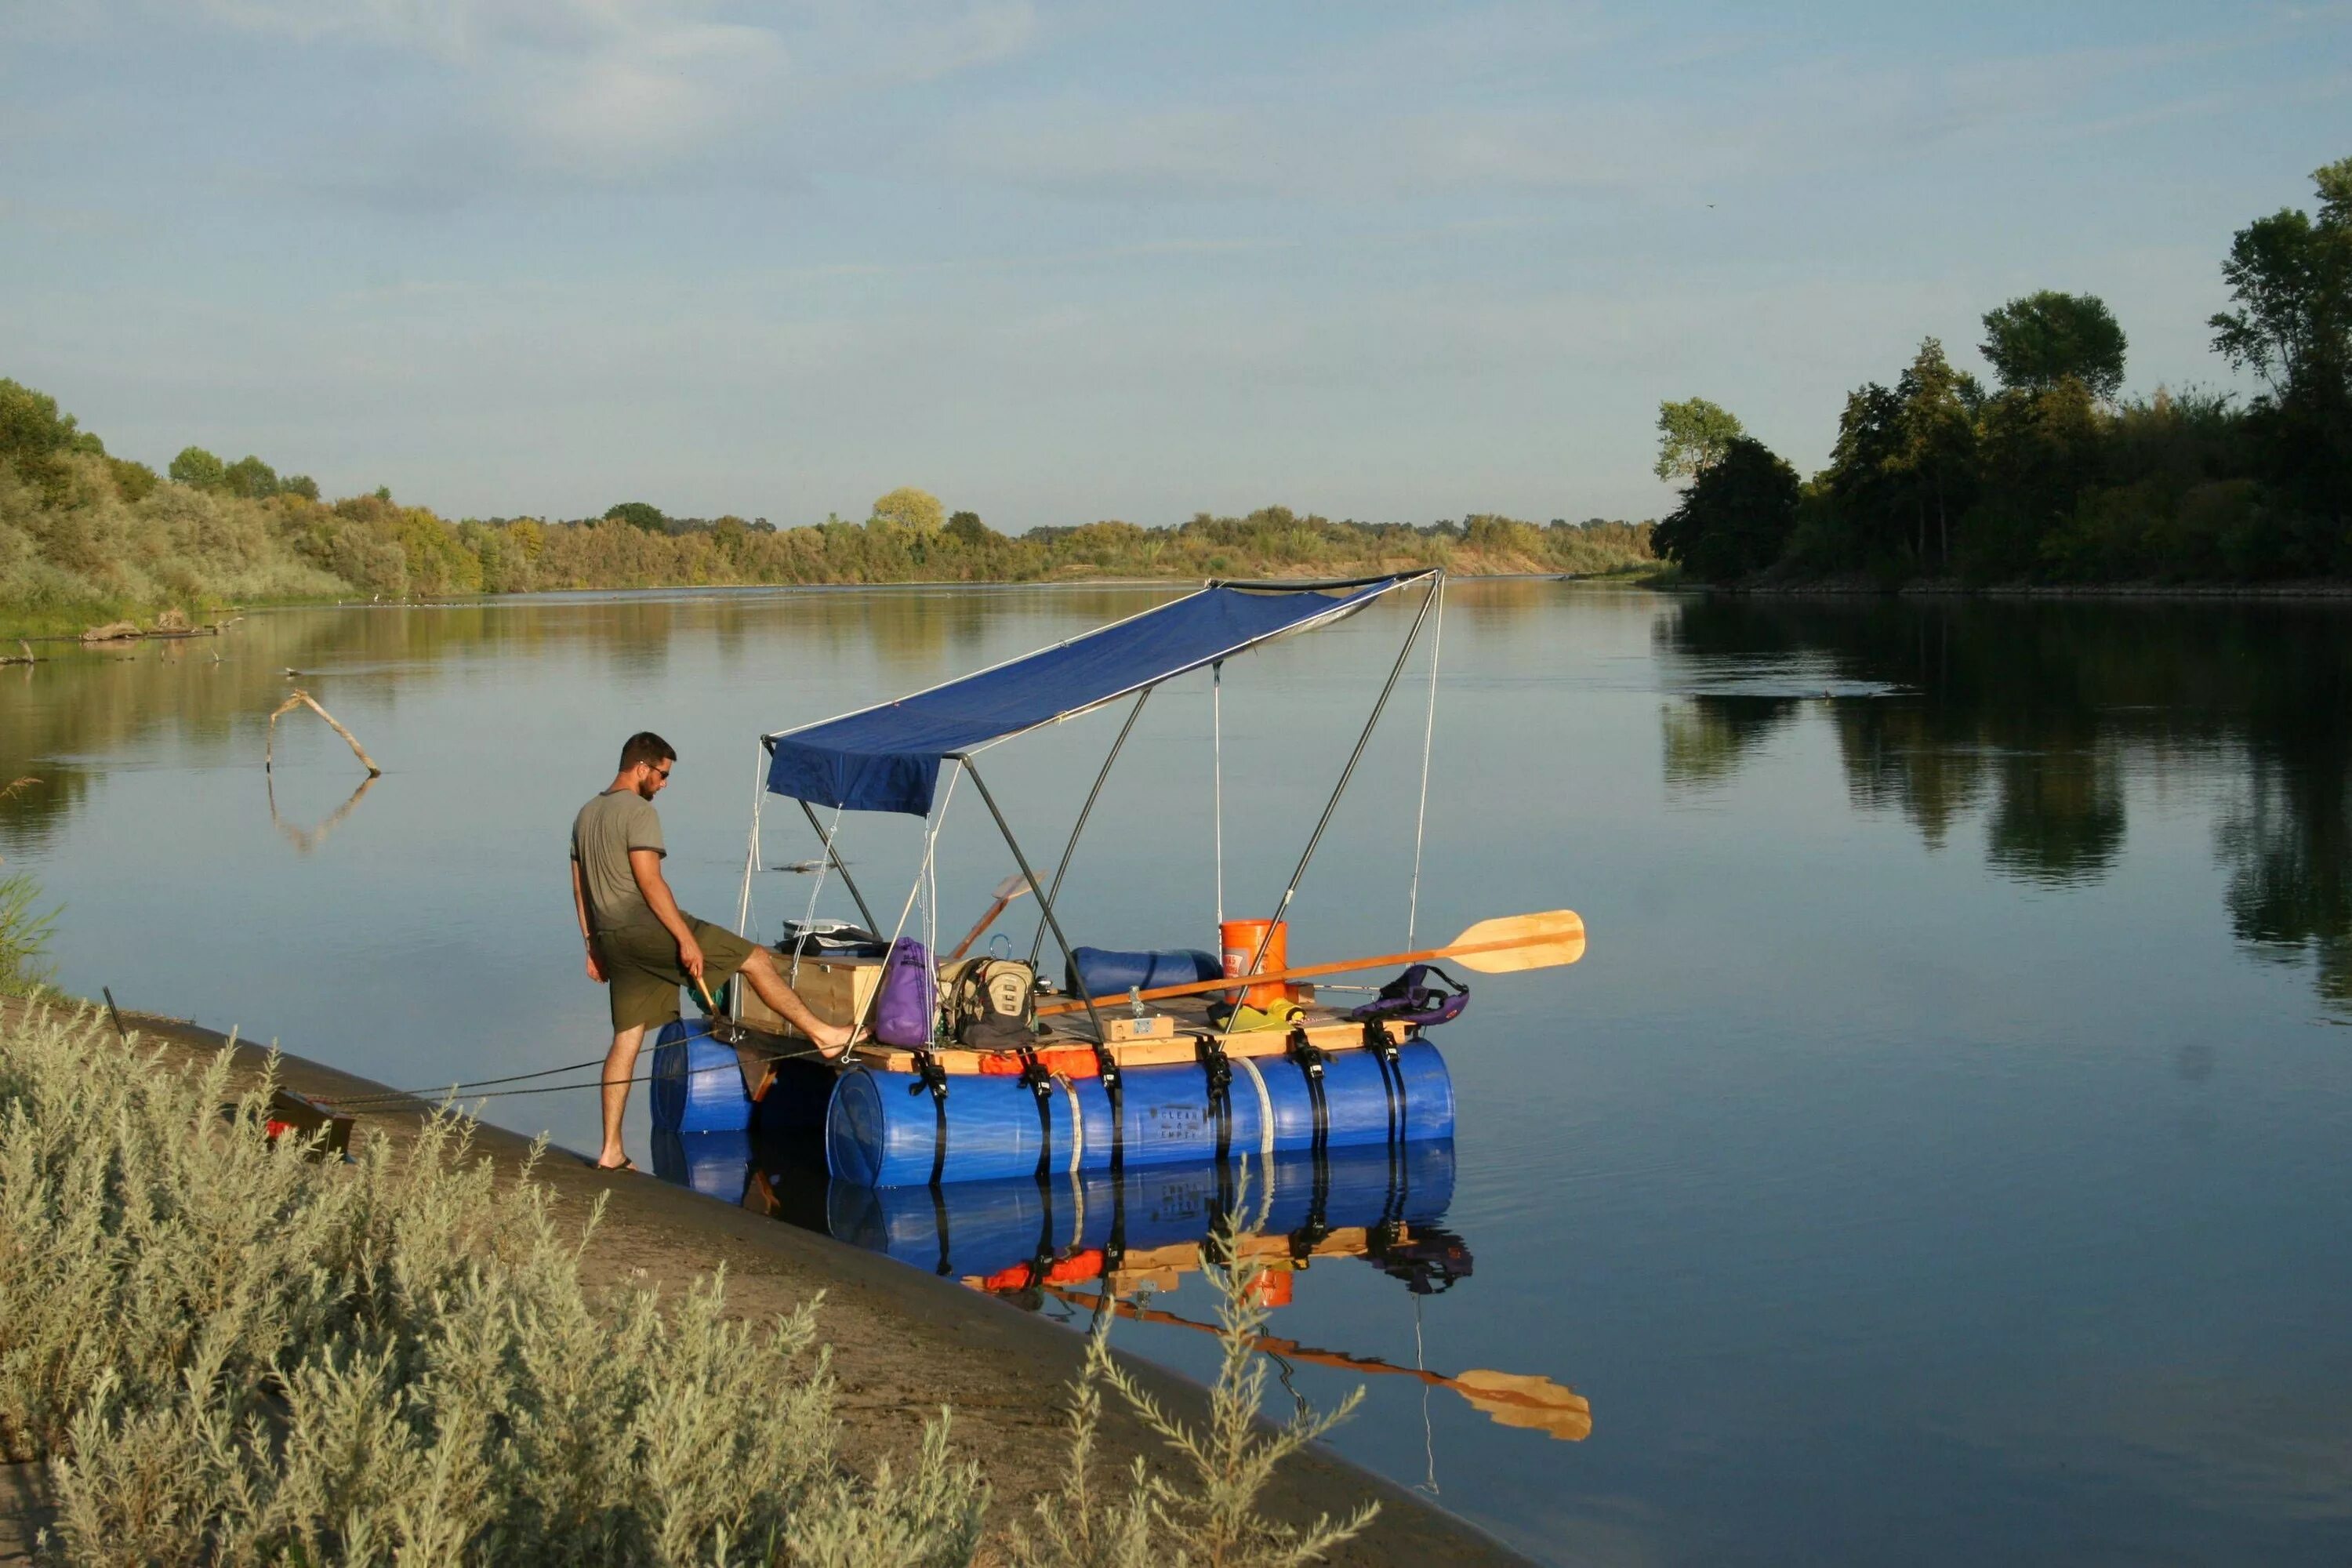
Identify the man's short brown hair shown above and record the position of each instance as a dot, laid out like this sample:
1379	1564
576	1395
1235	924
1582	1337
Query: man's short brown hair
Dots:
645	747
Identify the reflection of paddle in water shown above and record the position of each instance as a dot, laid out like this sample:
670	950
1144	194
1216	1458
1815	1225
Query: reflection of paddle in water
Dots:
1506	1398
306	840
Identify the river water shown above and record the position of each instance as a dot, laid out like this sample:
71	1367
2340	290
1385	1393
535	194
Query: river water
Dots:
1939	1156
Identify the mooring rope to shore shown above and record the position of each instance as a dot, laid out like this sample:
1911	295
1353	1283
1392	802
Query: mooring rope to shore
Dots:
444	1093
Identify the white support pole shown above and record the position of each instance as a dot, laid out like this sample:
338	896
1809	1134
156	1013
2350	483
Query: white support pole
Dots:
1217	781
1428	746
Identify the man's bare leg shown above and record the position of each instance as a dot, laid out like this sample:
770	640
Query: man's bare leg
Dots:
620	1067
760	970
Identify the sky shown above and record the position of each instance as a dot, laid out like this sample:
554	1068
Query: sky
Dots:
1395	262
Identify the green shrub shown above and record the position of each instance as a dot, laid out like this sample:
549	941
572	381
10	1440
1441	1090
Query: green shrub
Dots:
24	934
1210	1515
233	1354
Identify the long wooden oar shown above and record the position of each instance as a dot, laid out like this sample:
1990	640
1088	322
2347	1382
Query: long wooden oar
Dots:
1499	946
1521	1399
1007	890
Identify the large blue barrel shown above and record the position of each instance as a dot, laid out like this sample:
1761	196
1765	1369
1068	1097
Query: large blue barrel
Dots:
884	1130
984	1228
698	1084
1103	971
715	1164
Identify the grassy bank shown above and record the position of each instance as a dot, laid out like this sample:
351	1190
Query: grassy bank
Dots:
228	1352
87	538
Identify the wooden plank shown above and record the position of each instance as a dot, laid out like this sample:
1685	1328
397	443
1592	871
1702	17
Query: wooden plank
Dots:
1338	1036
839	990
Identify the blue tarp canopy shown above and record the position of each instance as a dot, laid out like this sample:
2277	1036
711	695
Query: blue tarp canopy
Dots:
887	758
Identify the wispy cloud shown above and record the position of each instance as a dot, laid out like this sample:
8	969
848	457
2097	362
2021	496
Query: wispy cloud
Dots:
618	89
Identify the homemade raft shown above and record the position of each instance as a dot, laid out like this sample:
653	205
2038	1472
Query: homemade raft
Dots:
1097	1087
882	1129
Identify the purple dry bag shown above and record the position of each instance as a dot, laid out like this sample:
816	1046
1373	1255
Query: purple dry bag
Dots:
909	1001
1413	998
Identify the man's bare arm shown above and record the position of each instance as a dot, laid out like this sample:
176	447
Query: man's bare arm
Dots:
587	935
645	866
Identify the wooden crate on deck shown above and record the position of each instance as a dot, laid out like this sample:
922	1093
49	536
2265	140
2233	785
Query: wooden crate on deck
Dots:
837	990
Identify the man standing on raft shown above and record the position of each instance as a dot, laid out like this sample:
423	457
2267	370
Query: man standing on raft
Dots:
642	946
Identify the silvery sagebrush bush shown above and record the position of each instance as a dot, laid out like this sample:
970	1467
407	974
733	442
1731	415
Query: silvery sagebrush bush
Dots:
1207	1515
231	1354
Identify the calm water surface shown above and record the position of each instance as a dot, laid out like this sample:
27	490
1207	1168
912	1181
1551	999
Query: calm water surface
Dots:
1941	1156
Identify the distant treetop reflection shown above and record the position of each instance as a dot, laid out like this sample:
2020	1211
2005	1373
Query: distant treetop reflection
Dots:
2042	711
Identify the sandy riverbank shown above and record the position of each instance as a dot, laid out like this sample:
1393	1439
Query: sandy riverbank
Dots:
904	1342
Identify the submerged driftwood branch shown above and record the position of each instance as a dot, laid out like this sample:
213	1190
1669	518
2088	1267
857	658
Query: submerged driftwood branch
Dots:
304	700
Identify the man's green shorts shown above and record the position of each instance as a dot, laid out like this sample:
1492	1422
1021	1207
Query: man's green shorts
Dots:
641	969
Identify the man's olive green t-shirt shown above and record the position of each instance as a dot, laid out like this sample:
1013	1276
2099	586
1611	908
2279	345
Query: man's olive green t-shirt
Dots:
603	833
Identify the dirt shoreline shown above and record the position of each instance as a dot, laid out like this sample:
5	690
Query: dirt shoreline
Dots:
904	1342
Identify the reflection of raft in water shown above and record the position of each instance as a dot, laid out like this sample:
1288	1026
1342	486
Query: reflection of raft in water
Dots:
1144	1226
1103	1242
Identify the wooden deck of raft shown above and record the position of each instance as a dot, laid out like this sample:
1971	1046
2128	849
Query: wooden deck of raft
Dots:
837	990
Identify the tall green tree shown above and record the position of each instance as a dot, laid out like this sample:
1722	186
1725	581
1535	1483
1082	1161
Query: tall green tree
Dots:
198	469
1692	435
2038	340
1936	457
916	510
639	514
251	478
1735	517
31	425
2291	275
1864	485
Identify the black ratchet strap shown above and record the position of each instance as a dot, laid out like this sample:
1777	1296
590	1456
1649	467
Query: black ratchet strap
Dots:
1106	1066
1310	1059
1040	1080
1218	1068
929	1074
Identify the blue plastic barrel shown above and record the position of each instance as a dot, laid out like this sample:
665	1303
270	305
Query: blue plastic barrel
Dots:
984	1228
882	1129
1101	972
698	1084
715	1164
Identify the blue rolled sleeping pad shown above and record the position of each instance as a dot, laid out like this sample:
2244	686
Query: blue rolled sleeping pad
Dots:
1099	972
882	1129
697	1083
716	1165
980	1229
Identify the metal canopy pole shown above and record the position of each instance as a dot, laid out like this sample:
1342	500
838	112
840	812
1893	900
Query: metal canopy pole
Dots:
1038	943
1044	899
1396	670
835	856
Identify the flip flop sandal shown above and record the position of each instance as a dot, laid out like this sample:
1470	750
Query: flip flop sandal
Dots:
626	1165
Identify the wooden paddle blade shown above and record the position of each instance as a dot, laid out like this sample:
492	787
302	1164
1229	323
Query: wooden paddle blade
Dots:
1010	888
1525	1400
1521	941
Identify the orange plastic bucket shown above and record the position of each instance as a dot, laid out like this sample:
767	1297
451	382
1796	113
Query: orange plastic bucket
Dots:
1239	941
